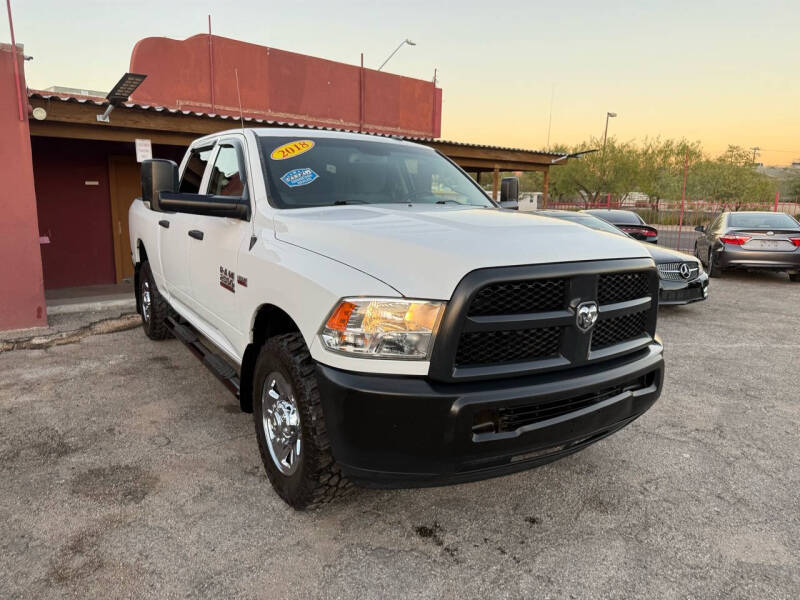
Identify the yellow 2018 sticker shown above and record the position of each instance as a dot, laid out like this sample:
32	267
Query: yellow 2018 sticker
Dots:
291	149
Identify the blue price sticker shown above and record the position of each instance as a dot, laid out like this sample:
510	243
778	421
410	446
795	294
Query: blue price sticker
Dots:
298	177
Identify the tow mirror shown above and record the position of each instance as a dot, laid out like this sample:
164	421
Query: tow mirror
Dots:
158	175
700	228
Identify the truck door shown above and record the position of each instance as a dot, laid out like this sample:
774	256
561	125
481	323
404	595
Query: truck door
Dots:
174	228
214	257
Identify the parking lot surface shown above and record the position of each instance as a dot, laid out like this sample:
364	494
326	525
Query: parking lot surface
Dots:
128	471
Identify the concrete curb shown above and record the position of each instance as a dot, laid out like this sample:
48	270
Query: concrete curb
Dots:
38	342
121	304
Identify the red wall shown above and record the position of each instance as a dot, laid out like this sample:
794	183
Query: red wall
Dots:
21	294
75	216
282	86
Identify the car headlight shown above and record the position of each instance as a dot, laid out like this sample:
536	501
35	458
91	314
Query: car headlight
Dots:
383	327
700	269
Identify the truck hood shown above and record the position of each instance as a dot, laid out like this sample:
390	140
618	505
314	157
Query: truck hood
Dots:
424	251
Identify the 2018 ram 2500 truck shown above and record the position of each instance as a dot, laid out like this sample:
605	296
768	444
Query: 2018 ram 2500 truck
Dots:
386	323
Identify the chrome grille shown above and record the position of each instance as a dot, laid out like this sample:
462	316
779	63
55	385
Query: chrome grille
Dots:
672	271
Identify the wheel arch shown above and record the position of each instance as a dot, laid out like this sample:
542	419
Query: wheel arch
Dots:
268	321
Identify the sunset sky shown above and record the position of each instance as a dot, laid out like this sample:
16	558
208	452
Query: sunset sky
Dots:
718	72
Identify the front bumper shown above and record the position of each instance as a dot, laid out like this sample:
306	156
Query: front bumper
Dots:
396	431
736	257
683	292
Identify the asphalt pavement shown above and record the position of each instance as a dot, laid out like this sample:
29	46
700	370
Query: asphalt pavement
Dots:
129	472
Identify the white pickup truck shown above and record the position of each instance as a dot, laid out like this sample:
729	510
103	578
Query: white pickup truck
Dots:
385	322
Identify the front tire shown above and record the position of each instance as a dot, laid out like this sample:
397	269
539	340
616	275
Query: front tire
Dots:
290	426
713	269
153	309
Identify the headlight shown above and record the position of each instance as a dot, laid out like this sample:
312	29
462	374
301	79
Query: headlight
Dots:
700	269
383	327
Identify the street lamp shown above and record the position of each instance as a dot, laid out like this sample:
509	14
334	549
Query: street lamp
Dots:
406	41
121	92
609	115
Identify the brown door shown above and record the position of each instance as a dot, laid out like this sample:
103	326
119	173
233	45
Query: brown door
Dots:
125	185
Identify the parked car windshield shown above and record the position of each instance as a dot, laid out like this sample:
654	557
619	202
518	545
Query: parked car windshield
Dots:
762	221
587	220
621	217
304	171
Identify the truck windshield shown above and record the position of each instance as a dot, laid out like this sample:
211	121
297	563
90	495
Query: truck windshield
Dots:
306	171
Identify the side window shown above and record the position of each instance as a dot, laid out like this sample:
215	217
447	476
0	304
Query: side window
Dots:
193	173
716	225
227	174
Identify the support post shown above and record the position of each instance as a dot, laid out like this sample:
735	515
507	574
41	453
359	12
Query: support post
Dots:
496	184
545	187
683	197
777	198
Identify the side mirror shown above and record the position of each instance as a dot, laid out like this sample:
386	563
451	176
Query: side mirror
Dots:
158	175
202	204
509	189
700	228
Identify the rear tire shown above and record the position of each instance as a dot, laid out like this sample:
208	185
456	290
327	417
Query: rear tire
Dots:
713	269
154	309
290	426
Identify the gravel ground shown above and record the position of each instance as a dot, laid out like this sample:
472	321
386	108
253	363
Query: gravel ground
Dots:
128	471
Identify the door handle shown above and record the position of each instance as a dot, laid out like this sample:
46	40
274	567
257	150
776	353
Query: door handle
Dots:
196	234
164	223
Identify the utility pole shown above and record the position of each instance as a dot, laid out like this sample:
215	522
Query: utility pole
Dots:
755	150
609	115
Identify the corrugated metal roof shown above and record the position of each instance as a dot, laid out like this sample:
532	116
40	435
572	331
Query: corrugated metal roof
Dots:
98	101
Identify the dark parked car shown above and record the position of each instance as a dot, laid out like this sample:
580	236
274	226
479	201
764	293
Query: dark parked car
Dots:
628	221
682	279
750	240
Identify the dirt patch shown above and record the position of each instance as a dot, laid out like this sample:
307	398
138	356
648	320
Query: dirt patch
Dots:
430	532
117	484
43	445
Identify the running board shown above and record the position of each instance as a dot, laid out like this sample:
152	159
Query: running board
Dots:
221	369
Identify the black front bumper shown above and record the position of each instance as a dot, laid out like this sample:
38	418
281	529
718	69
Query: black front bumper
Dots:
683	292
402	431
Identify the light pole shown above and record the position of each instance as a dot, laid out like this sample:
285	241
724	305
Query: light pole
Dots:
609	115
406	41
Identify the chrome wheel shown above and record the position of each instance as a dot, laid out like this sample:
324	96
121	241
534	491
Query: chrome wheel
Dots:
281	421
146	301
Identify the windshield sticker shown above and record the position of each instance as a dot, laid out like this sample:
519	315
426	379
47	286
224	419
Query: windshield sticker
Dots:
291	149
298	177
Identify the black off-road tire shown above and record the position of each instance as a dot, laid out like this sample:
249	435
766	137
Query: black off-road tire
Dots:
713	269
318	479
155	324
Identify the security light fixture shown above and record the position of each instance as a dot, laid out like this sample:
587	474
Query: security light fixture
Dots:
121	92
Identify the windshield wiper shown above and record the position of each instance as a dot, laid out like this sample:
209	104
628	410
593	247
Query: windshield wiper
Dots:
345	202
447	200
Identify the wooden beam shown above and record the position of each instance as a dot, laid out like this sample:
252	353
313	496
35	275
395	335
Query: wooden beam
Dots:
488	164
496	184
110	134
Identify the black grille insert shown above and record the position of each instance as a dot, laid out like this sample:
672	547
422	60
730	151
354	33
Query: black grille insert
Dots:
518	297
621	287
493	347
511	418
619	329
